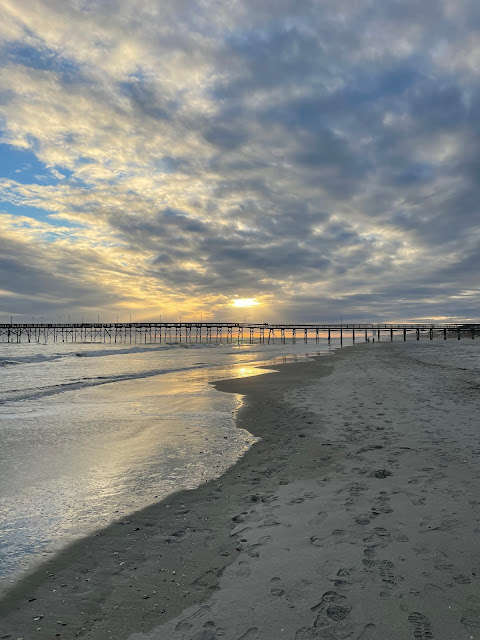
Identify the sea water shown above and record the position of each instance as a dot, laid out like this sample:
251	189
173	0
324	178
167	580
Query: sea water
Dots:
91	432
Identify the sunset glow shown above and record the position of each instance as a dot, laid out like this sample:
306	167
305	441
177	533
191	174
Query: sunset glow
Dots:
288	149
245	302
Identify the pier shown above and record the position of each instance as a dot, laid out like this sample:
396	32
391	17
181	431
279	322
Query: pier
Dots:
224	332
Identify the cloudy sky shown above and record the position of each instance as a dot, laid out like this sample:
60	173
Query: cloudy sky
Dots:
321	157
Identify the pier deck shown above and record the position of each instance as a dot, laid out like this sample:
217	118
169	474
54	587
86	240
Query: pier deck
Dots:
228	332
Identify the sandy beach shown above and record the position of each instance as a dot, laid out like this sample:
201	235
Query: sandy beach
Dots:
356	516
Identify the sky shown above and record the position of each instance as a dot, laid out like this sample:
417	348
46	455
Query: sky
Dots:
317	159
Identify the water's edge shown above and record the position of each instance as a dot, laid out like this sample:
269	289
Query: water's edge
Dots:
221	498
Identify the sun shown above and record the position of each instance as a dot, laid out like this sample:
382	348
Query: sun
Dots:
244	302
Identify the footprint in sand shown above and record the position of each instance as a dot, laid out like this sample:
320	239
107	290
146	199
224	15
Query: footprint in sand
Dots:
342	578
298	500
337	534
318	519
187	623
254	550
298	592
417	500
381	474
399	536
240	532
438	524
369	560
271	522
243	569
332	609
421	626
382	504
386	569
240	517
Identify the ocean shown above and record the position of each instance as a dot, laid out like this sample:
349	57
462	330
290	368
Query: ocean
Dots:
92	432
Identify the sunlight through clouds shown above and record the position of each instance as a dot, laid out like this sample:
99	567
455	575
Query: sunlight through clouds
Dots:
186	154
245	302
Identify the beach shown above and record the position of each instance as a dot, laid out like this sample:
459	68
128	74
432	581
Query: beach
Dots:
91	433
355	516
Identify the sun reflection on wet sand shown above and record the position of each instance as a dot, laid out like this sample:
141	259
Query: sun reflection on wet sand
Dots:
75	461
100	453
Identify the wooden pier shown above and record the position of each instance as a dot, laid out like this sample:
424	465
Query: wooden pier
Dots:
224	332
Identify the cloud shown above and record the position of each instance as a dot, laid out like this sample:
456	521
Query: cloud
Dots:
190	151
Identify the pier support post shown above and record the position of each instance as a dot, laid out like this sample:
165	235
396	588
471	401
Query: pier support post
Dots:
183	332
473	334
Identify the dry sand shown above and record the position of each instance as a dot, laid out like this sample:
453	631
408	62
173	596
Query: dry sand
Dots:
355	517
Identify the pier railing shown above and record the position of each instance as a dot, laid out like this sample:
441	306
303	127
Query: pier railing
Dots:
226	332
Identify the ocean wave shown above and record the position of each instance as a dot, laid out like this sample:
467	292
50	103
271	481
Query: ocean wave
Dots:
41	358
34	358
166	346
7	363
16	395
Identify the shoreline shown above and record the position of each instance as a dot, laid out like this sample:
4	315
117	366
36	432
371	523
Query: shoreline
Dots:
384	542
356	516
86	590
76	461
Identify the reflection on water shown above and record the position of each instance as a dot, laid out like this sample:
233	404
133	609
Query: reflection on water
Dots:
81	460
74	462
246	372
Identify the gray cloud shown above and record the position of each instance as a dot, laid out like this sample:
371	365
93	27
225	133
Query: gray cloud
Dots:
292	151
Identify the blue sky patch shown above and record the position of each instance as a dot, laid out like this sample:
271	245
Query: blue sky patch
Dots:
24	167
41	59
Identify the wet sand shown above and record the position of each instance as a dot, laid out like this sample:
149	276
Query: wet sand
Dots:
355	517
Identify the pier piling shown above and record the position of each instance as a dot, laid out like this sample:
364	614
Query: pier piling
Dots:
153	333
